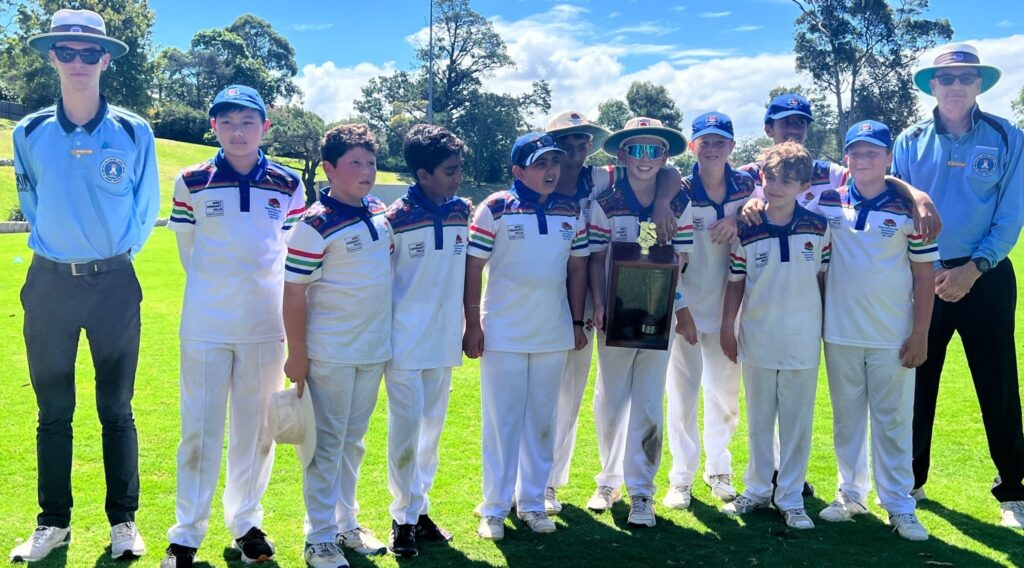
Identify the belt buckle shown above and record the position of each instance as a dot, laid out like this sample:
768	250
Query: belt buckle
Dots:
75	265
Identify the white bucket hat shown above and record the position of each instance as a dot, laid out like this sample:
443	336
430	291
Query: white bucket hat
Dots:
290	420
957	55
78	25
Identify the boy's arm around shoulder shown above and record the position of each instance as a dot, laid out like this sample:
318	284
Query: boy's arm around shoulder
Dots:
669	182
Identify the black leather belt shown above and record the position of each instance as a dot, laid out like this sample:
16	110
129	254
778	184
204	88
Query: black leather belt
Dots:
85	267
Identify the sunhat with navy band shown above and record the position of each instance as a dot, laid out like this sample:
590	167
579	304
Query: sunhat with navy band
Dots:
674	140
957	55
574	122
78	25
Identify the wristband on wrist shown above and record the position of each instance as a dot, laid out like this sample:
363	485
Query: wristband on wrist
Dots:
580	323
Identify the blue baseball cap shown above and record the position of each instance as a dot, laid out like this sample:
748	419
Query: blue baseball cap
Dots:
238	95
531	146
788	104
712	123
870	131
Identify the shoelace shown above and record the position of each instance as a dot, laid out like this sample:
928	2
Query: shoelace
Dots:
641	504
1016	507
724	478
323	550
41	534
797	513
904	519
124	531
606	492
534	515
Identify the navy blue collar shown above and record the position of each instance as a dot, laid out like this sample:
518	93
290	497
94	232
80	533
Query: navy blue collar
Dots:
874	202
224	169
702	194
417	196
336	206
781	230
940	128
525	194
631	200
90	126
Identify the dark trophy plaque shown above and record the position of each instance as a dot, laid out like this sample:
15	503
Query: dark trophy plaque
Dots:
641	295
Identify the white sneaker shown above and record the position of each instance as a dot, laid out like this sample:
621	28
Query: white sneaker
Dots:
908	527
41	543
842	509
361	541
677	497
538	521
917	494
797	519
551	503
324	555
741	506
477	511
603	498
1012	514
641	511
721	486
491	528
125	540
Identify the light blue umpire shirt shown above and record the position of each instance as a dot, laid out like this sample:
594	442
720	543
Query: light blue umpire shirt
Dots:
976	182
88	192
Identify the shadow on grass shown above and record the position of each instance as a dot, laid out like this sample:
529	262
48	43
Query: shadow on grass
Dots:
1006	540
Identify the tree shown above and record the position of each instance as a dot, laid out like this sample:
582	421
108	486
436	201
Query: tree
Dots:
613	114
271	50
748	148
176	121
861	52
126	83
821	141
296	133
1018	108
653	101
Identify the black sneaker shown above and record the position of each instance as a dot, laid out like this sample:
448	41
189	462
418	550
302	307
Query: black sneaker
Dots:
808	490
254	546
403	540
178	556
427	529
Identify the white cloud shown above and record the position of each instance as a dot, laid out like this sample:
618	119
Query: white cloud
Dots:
747	28
1005	24
679	8
650	28
312	27
714	14
330	90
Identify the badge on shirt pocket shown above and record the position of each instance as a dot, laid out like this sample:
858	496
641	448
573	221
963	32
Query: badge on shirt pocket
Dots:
516	232
214	207
112	169
984	169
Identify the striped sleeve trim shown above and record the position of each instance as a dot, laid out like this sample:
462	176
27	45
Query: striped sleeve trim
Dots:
581	241
598	236
302	262
481	238
921	251
684	236
737	264
294	216
826	254
181	212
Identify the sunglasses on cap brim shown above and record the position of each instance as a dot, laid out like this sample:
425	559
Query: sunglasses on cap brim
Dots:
90	56
653	151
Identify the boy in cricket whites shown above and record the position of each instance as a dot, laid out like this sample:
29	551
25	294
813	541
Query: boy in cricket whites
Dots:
431	227
579	138
878	305
776	272
631	382
534	245
337	315
230	215
716	192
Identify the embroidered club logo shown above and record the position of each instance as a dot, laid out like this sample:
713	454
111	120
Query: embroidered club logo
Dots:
889	223
808	196
458	239
711	120
793	102
808	251
274	203
112	170
888	228
957	56
567	231
232	92
643	122
273	208
566	226
460	246
808	246
984	165
575	119
76	29
866	128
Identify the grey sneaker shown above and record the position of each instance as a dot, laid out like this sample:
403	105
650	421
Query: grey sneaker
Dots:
41	543
324	555
721	486
908	527
361	541
603	498
741	506
126	542
551	503
491	528
538	521
797	519
641	511
842	509
677	497
1012	514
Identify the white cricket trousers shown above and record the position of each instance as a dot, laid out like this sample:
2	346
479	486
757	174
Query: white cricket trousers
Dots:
628	415
570	399
690	368
786	398
518	396
212	376
862	382
343	400
417	406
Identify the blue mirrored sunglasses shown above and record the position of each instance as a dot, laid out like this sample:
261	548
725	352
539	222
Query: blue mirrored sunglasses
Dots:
653	151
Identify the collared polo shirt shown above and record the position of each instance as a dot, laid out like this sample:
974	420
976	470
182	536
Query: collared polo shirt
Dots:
976	182
527	245
869	299
344	254
780	318
235	277
429	266
88	192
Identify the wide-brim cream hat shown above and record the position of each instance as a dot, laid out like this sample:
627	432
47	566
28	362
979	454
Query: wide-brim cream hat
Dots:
643	126
574	122
290	420
78	25
957	55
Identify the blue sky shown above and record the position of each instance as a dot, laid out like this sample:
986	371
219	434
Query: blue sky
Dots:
721	55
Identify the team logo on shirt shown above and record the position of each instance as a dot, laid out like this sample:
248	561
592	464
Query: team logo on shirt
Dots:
835	222
698	223
984	164
566	231
808	197
888	228
460	246
808	251
215	208
353	244
273	208
761	260
112	170
417	250
516	232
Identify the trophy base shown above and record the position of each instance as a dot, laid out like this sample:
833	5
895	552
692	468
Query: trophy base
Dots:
649	327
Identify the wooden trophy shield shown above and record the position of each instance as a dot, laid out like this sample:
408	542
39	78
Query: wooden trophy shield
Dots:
641	295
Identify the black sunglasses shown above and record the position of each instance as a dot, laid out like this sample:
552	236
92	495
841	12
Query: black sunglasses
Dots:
90	56
965	79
